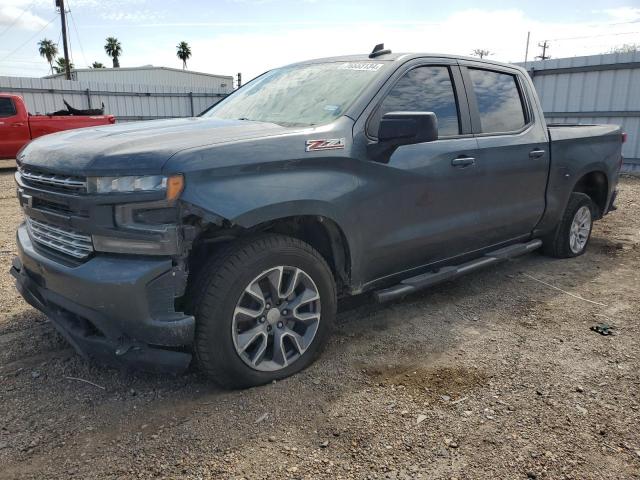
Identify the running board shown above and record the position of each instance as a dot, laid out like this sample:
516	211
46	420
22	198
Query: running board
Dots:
428	279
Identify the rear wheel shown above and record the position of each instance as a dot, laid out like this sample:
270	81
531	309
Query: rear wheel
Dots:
572	235
264	309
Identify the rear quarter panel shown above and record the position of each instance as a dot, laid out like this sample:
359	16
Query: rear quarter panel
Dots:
577	150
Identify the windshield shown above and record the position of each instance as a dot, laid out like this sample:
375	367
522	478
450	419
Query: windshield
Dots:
302	95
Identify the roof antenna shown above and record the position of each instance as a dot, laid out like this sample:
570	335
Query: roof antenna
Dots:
379	50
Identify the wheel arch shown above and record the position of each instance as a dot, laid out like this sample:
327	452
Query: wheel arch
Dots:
595	184
321	232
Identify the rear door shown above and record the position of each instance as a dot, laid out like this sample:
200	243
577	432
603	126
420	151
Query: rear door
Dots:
513	159
14	130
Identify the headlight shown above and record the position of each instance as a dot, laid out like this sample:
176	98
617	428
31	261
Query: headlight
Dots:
173	185
146	183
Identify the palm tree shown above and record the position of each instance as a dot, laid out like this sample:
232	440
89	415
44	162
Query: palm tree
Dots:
61	65
97	65
184	53
114	50
48	50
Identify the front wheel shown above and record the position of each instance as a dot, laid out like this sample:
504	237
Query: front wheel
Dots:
572	234
264	309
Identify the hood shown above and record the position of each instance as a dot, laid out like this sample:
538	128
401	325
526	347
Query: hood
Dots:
140	147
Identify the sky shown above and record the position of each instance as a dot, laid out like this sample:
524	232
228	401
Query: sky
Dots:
252	36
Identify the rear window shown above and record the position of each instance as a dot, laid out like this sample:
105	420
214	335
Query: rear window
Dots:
499	101
7	109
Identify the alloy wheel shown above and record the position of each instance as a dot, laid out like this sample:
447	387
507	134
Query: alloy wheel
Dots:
580	229
276	318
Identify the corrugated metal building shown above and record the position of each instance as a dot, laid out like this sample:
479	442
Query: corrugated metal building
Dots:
150	75
593	89
126	102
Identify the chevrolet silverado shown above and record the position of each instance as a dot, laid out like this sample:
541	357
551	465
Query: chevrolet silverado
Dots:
230	236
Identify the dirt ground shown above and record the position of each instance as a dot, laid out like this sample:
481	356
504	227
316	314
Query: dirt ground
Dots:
495	375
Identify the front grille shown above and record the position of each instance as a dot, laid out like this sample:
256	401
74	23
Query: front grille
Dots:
59	208
69	242
66	183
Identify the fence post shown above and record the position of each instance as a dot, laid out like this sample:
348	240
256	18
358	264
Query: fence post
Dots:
88	98
191	102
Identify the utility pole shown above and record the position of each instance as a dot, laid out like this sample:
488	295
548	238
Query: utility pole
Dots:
239	82
526	51
63	18
544	45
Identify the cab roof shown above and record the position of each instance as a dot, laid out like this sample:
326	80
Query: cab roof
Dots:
401	57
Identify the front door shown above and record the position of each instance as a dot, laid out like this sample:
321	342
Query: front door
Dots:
14	131
421	205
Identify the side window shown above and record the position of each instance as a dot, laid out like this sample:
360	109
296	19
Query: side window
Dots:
7	109
499	102
423	89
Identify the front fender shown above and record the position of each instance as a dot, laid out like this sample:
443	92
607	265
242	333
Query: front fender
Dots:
250	199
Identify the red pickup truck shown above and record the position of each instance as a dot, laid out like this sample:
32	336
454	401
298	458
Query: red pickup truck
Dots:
18	126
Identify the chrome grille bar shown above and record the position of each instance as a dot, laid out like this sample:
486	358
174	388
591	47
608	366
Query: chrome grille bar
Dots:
65	182
71	243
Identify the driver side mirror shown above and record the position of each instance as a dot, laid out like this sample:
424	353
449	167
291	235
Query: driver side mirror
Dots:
408	128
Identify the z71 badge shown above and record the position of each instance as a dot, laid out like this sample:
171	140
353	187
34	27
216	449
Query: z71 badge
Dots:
325	144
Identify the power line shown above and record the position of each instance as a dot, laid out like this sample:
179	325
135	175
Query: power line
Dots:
594	36
30	38
14	60
23	67
75	28
17	19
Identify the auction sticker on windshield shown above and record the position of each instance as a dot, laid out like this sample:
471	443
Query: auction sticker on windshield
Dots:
364	66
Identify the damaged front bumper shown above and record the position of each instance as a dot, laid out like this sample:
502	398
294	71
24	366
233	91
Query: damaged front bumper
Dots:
117	309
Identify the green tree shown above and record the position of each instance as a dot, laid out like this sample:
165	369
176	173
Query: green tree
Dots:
60	66
184	53
479	52
114	50
97	65
625	48
48	50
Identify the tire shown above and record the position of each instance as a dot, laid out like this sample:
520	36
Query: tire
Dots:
559	244
229	286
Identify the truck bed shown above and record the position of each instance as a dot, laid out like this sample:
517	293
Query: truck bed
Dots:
45	124
573	144
570	131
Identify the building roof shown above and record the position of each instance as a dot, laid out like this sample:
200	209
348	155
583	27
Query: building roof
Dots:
142	68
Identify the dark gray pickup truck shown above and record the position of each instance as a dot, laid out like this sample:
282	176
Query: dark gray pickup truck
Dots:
231	236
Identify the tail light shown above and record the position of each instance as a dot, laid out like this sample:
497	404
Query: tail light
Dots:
624	139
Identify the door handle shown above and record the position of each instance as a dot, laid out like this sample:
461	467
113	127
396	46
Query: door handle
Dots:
536	153
17	124
463	161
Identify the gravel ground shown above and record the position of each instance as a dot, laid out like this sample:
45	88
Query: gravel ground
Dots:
494	375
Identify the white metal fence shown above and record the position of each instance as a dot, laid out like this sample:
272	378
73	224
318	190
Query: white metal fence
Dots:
593	89
126	102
